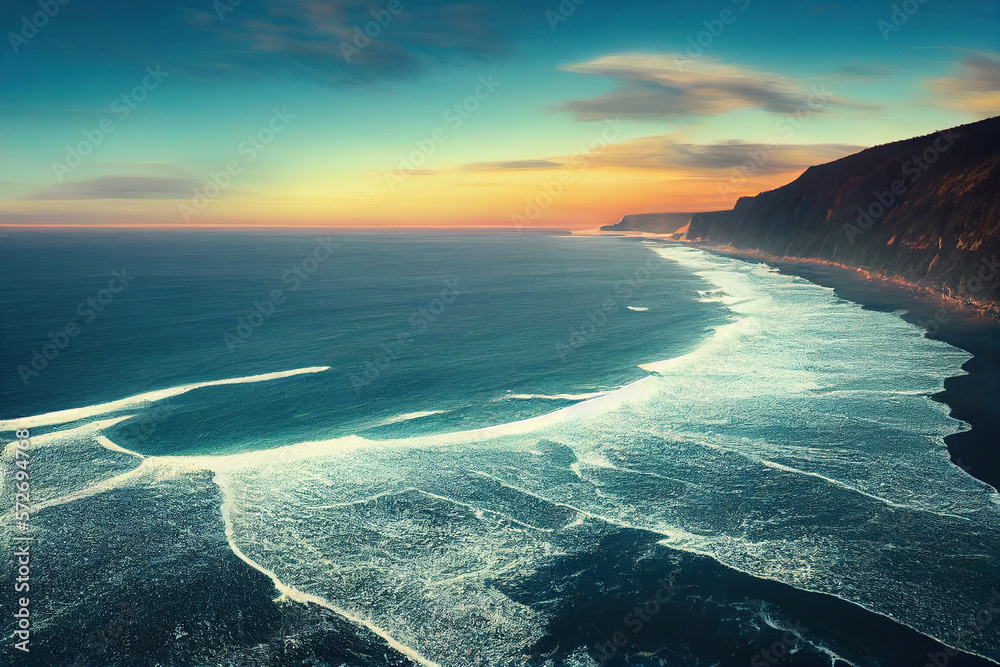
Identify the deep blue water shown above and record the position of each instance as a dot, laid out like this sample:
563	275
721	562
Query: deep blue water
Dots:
480	450
407	323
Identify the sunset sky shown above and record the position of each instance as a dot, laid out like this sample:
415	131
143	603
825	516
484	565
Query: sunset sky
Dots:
284	113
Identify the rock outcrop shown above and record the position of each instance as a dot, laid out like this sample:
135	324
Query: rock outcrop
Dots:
656	223
925	211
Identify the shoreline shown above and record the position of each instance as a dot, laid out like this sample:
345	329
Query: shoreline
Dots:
970	397
985	309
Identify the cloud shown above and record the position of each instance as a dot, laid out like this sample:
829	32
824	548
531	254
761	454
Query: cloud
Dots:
515	165
319	39
865	72
118	187
662	152
661	86
976	87
665	153
42	218
497	166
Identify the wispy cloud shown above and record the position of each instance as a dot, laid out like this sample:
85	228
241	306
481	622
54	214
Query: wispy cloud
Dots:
315	39
708	159
865	72
693	160
118	187
975	88
655	85
512	165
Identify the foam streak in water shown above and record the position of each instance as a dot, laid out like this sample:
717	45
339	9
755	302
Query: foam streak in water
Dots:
291	593
74	414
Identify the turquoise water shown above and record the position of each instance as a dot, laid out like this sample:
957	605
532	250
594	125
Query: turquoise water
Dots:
567	422
476	330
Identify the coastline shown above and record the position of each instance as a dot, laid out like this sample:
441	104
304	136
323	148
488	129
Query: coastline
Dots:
972	397
967	307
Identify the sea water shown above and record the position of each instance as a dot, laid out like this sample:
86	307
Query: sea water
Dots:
482	449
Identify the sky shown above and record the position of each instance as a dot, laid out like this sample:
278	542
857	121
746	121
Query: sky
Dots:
423	113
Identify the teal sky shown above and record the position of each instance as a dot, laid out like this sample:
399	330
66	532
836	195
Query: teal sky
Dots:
560	82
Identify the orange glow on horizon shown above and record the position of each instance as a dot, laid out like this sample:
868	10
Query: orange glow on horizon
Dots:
580	200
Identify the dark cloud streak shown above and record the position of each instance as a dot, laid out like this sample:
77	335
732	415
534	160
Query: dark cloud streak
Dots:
118	187
661	86
280	37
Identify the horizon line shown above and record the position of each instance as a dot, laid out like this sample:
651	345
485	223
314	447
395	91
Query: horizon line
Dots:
519	230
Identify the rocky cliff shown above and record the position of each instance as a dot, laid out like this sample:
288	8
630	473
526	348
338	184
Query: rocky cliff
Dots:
657	223
925	211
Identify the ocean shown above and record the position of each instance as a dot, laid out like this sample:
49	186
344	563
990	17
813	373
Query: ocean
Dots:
264	448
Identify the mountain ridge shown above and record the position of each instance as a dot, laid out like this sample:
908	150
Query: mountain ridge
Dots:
656	223
923	211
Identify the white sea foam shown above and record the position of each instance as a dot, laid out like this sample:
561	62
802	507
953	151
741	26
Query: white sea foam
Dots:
552	397
797	443
74	414
409	416
292	593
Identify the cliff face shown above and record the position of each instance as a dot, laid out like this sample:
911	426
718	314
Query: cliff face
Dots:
656	223
924	210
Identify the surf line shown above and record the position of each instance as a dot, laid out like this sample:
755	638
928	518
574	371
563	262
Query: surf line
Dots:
291	593
76	414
